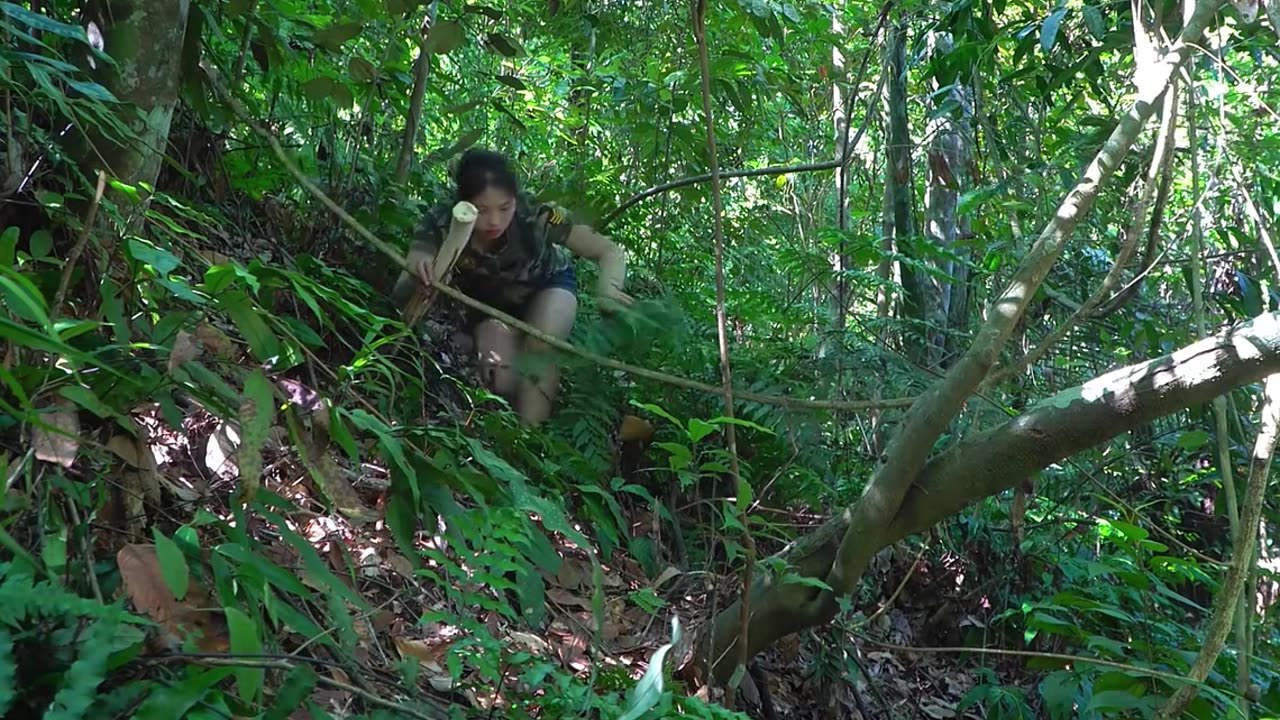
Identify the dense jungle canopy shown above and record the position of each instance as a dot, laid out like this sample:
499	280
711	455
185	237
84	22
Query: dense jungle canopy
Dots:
950	388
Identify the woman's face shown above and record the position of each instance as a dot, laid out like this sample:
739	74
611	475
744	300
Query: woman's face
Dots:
496	207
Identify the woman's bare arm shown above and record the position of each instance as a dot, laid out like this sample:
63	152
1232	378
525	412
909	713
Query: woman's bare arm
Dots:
609	255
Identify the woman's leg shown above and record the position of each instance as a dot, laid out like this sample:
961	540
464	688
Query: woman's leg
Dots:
496	347
553	311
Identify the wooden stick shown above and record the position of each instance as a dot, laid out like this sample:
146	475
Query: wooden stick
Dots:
464	219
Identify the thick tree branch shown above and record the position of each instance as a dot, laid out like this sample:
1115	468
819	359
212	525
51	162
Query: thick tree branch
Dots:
867	525
998	459
1163	150
934	410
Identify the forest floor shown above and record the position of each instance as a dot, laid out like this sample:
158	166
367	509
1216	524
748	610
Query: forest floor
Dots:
833	673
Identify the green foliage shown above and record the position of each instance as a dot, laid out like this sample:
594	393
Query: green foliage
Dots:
52	641
595	103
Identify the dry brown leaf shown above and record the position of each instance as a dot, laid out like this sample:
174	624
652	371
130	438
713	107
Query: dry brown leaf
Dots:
57	447
400	564
132	493
564	597
213	257
186	347
635	428
936	711
430	657
531	642
126	448
329	479
138	455
144	584
572	574
666	575
215	341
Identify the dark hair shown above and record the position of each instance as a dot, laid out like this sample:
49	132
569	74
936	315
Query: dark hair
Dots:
479	170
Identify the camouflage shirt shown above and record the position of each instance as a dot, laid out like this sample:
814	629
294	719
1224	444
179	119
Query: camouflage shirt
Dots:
531	251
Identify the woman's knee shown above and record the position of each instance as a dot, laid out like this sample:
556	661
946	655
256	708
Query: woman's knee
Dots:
553	311
496	346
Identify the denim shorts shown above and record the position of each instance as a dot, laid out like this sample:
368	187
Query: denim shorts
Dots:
566	279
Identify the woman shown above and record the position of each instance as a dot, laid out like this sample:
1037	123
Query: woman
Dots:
518	260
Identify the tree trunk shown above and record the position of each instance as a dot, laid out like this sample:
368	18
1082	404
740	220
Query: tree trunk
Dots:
898	188
145	39
949	173
421	73
840	135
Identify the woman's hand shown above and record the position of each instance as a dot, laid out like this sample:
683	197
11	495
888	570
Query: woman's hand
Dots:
420	265
612	299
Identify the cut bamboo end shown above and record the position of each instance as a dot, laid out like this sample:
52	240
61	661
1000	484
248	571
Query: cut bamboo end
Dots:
464	212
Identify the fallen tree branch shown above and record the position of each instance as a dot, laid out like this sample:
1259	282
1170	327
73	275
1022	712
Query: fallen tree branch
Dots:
394	254
990	462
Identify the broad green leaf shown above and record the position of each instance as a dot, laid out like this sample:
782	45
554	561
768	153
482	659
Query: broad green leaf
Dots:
43	23
313	565
93	91
1049	30
791	578
290	696
659	412
444	37
1193	439
506	46
173	564
86	399
1115	701
531	591
273	574
1095	22
341	434
249	322
512	82
9	246
468	139
8	672
647	692
22	298
681	456
699	429
332	37
41	244
160	260
722	420
174	702
245	640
